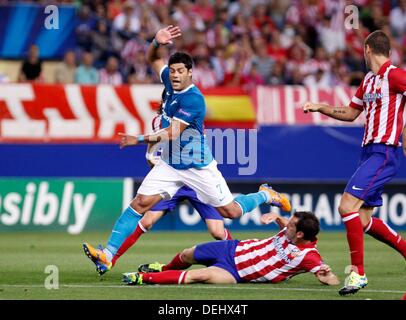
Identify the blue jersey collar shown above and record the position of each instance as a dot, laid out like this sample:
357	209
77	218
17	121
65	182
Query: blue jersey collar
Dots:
184	90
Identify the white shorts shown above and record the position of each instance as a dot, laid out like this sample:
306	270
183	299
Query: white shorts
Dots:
207	182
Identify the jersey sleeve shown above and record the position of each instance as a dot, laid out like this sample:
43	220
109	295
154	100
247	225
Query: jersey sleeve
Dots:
356	101
312	262
397	81
164	77
189	109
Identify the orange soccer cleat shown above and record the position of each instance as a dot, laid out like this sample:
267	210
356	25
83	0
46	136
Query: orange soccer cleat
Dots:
99	258
276	199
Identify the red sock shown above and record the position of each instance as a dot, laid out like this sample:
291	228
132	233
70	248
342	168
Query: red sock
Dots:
176	264
129	242
382	232
165	277
355	238
228	235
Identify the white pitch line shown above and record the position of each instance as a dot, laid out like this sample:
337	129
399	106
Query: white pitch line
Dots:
195	287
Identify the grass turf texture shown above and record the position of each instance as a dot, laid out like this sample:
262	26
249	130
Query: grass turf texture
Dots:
24	257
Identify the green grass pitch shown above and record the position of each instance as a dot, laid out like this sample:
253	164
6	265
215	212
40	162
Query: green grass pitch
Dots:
24	257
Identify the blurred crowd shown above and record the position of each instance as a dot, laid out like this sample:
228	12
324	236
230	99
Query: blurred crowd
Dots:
234	43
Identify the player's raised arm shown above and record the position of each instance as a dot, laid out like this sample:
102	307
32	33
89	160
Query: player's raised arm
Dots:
162	37
339	113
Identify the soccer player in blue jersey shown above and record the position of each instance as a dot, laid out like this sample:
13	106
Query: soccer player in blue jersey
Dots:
213	220
186	157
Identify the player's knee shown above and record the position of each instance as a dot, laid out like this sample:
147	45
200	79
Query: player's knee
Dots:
146	222
187	255
229	211
345	207
141	203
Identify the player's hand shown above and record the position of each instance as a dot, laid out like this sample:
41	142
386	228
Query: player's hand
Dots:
310	107
127	140
268	218
165	35
326	276
324	269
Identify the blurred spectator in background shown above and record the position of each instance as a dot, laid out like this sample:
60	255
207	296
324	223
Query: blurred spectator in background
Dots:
84	29
263	60
278	74
288	41
203	75
101	45
31	69
110	74
140	71
252	79
86	73
320	79
398	20
128	20
65	71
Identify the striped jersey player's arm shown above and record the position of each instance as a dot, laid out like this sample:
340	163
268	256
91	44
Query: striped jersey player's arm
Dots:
397	81
312	262
356	101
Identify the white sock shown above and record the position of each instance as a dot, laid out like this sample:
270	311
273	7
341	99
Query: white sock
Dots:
108	254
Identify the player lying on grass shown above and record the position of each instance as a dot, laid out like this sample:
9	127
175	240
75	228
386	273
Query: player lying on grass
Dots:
288	253
213	220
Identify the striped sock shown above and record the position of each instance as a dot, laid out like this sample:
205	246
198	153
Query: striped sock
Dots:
227	235
382	232
176	264
129	242
124	226
355	238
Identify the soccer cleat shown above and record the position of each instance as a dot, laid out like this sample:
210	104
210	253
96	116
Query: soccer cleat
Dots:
353	284
150	267
132	278
276	199
98	257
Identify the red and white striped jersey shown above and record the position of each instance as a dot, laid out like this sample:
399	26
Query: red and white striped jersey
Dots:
382	97
275	259
156	123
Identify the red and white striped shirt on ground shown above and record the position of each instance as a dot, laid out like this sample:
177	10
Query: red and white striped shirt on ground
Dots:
275	259
382	96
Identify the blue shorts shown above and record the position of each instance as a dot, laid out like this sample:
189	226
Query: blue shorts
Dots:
186	193
218	254
379	163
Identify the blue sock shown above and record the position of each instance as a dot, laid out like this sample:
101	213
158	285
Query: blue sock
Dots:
249	202
125	225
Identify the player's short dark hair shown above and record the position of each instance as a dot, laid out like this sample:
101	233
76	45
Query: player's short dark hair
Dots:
379	43
181	57
308	224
